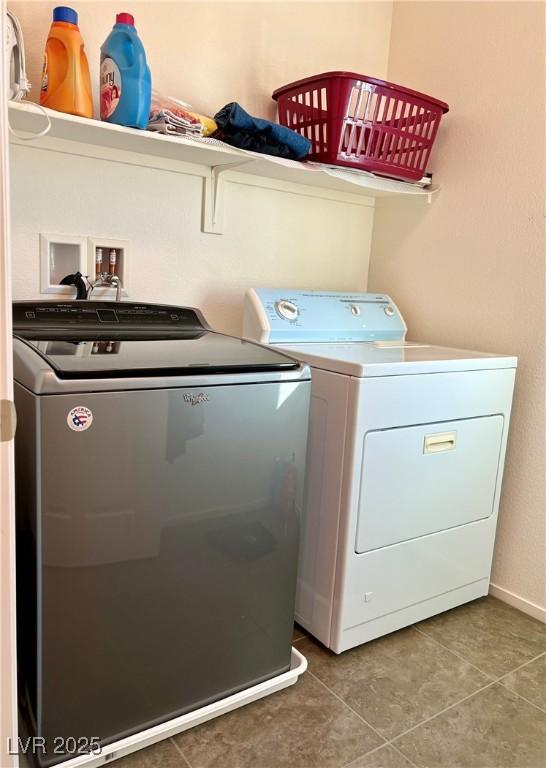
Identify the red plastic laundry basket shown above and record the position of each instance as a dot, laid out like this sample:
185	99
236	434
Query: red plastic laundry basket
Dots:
361	122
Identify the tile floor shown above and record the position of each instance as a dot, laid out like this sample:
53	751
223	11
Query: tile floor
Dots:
466	689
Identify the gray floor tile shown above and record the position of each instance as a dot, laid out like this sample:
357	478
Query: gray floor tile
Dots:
493	729
161	755
385	757
529	682
490	634
304	726
396	681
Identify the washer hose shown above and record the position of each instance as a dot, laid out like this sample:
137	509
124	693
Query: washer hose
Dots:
78	281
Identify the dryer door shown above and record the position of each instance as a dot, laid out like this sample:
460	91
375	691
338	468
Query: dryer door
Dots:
427	478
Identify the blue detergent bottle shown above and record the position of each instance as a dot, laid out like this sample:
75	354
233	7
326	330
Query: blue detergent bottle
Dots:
125	80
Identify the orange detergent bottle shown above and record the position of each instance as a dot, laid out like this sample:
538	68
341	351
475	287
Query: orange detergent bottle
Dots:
66	84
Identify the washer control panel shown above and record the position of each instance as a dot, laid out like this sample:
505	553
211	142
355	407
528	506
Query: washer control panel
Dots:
276	315
46	319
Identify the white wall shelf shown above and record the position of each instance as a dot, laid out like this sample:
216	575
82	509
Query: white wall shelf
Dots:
210	160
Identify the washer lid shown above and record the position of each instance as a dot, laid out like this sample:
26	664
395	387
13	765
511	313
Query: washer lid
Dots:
395	358
206	353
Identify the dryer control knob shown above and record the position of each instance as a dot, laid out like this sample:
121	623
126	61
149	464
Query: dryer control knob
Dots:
389	311
286	309
355	310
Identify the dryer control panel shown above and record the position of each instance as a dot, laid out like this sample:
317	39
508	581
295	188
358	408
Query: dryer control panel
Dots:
279	315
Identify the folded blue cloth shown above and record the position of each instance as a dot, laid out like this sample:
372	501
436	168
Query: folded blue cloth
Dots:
240	129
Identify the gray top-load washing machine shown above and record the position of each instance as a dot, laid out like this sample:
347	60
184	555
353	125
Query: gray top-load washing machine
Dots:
160	470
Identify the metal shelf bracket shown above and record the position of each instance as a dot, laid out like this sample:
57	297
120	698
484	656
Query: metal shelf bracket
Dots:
213	198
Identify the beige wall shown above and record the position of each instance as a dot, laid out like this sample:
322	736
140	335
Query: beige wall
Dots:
210	53
270	237
469	271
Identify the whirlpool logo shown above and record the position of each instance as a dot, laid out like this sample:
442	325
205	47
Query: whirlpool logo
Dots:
197	399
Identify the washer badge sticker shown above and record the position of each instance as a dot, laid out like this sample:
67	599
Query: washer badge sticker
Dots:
79	418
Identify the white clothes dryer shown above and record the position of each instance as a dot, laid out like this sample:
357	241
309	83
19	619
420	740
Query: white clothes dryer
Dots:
406	454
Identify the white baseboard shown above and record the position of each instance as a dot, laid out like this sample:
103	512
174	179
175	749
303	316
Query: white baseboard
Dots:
526	606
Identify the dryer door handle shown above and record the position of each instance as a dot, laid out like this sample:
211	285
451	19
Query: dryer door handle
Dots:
440	442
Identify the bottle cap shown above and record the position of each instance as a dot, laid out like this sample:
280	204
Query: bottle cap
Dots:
62	13
125	18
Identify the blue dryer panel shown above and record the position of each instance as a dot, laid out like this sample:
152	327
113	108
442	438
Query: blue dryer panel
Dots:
323	316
